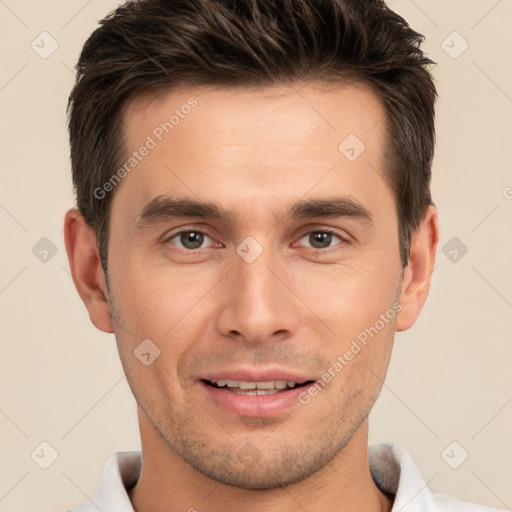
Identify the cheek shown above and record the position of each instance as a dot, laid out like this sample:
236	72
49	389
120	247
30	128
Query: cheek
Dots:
358	367
356	303
171	306
163	306
348	297
154	299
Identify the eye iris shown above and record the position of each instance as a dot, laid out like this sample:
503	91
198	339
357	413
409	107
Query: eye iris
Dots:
191	239
320	240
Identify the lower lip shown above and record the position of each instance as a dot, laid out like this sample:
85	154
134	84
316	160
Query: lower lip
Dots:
254	406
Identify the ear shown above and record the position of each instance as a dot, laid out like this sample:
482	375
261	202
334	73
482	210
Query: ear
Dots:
86	269
417	274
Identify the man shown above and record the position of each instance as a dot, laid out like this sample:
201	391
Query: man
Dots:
254	224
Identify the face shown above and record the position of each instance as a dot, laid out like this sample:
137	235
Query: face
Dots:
260	258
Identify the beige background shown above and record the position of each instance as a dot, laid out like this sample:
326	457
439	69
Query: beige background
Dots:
449	379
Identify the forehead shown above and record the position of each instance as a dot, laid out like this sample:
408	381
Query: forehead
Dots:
239	142
236	112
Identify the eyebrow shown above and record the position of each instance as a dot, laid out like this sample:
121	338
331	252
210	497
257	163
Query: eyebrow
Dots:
163	208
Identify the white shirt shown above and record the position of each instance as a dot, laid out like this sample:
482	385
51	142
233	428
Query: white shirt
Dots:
392	468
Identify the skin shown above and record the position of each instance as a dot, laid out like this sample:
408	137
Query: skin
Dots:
254	153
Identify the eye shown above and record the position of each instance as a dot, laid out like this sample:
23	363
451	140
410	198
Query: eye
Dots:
189	239
320	239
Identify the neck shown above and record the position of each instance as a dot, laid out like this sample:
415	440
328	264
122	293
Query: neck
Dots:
169	484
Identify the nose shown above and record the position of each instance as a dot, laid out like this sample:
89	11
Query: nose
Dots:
259	303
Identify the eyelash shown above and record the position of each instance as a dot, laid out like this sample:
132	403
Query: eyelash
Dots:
343	241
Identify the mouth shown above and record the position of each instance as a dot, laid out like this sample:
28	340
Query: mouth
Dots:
259	396
254	392
253	388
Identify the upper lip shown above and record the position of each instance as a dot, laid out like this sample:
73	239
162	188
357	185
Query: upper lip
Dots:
261	375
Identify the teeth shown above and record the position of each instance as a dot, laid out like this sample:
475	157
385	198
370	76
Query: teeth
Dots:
259	392
267	385
247	385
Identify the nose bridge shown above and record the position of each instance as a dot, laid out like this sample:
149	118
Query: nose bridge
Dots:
257	283
259	304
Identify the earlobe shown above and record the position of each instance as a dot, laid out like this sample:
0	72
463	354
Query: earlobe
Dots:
85	265
417	274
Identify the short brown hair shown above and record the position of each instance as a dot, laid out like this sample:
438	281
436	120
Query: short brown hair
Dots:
158	44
